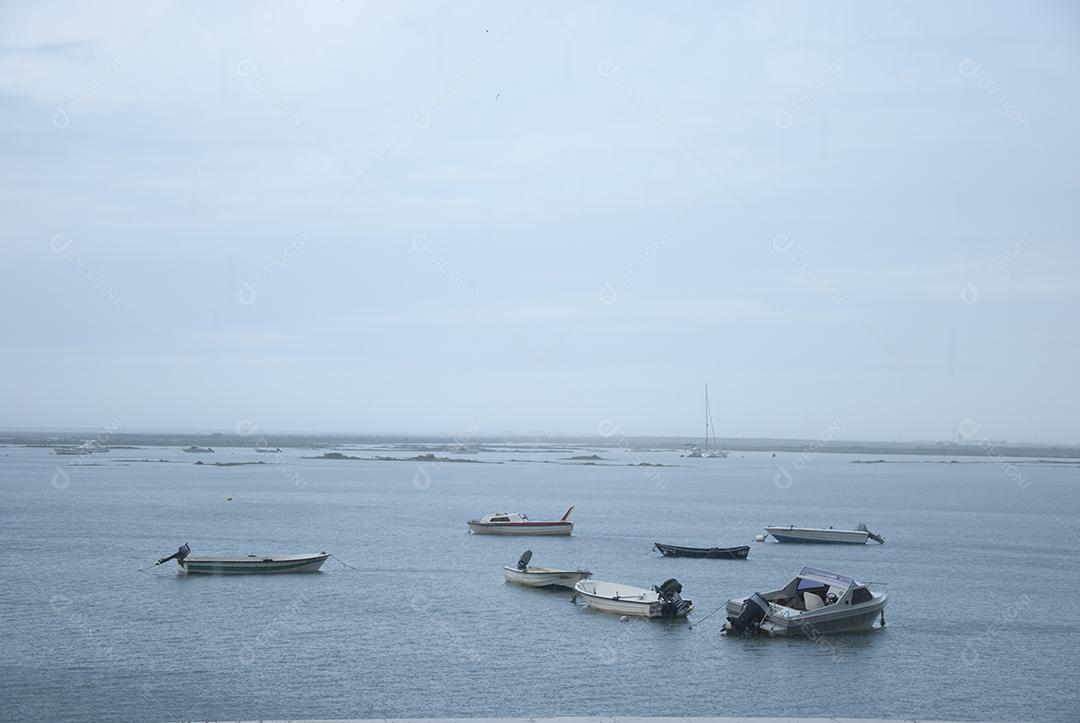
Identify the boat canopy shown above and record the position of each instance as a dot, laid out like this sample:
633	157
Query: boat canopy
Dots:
813	575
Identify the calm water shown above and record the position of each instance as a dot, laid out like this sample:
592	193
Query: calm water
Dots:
982	621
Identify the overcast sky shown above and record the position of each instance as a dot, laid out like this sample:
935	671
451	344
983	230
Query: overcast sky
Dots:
542	216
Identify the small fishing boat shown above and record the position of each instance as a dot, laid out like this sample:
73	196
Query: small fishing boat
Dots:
814	603
251	564
525	574
663	601
196	449
515	523
715	553
858	536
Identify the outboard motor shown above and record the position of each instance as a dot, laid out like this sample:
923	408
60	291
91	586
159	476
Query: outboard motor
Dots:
523	563
876	538
671	603
179	556
753	612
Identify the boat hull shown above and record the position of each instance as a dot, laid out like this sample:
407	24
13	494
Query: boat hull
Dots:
712	553
813	535
252	565
785	621
623	599
545	577
521	528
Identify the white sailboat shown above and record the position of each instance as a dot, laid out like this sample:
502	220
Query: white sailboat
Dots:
710	449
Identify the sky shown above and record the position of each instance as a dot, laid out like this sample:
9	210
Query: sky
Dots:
848	219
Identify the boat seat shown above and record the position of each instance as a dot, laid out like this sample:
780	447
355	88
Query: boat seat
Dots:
813	601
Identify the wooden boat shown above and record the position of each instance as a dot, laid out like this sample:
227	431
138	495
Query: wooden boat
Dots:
515	523
248	565
858	536
525	574
663	601
814	603
715	553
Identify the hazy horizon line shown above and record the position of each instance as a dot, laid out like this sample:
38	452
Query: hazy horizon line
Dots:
474	437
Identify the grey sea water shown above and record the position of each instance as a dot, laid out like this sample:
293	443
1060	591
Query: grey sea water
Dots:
982	565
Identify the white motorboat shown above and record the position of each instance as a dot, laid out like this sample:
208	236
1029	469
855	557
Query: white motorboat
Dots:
246	565
663	601
814	603
515	523
196	449
525	574
858	536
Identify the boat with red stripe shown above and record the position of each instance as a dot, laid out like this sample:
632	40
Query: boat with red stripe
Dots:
515	523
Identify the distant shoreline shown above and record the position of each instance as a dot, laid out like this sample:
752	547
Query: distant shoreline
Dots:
450	443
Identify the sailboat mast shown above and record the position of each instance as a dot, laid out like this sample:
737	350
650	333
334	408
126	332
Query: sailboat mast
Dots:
706	416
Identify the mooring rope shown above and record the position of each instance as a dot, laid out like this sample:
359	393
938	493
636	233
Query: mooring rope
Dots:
345	563
699	622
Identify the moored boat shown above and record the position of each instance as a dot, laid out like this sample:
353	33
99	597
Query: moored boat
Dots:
525	574
244	565
196	449
663	601
515	523
715	553
711	450
70	450
858	536
90	446
814	603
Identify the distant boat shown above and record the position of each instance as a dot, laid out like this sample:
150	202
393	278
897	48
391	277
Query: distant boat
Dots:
525	574
711	449
814	603
70	450
515	523
251	564
716	553
264	449
858	536
90	446
663	601
196	449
